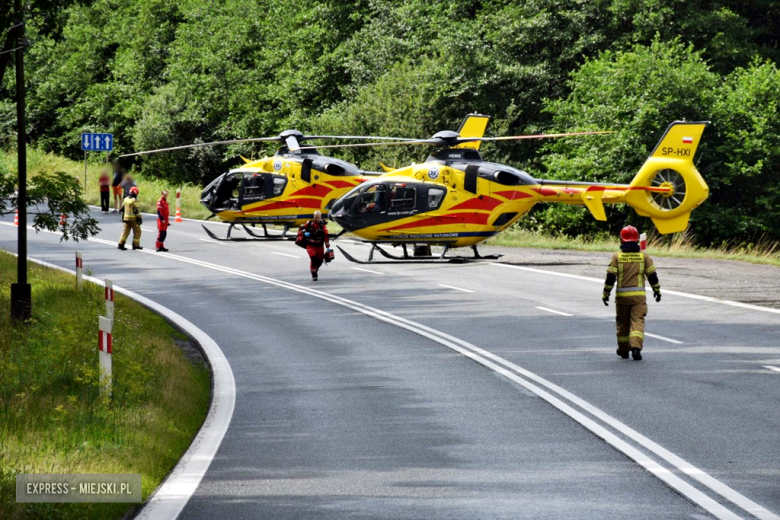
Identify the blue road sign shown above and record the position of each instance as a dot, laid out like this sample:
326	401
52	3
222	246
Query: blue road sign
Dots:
97	142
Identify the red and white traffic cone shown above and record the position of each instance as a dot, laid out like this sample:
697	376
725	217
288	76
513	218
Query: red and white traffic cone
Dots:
16	218
178	206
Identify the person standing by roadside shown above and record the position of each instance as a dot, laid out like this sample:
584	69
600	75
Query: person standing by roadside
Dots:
116	187
131	217
316	235
127	184
163	214
104	181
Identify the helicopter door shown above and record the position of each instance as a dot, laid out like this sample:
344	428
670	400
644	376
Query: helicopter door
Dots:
252	189
470	182
371	206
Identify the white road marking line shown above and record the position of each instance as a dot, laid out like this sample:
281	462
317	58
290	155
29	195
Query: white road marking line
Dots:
770	367
212	241
665	291
554	312
148	230
455	288
366	270
664	338
284	254
475	353
174	493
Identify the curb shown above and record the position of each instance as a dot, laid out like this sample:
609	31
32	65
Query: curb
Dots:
170	497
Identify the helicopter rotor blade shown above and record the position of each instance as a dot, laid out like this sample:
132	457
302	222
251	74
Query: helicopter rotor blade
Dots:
198	145
387	143
367	137
447	142
534	136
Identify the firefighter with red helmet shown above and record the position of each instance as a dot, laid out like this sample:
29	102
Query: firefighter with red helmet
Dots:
131	218
628	269
315	234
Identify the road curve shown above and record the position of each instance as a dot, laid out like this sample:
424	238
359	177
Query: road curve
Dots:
343	411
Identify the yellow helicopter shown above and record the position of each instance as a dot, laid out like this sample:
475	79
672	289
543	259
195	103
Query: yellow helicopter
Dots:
285	189
456	199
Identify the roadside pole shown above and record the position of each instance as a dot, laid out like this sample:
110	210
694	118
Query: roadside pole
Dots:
106	349
21	293
85	172
110	300
79	270
178	206
643	241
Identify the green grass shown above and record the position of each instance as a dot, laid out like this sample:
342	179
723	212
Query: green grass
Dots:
40	163
680	245
53	418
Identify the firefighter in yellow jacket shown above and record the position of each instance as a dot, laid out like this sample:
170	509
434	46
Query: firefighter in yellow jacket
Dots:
131	218
629	268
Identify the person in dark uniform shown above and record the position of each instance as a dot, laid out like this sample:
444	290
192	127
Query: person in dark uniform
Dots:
316	233
115	185
629	269
104	181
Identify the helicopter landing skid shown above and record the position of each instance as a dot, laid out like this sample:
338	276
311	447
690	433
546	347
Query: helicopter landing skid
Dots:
254	237
428	259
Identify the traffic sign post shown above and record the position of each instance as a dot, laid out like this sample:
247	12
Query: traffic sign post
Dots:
95	143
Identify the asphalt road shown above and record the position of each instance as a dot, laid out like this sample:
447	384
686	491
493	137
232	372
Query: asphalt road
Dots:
353	399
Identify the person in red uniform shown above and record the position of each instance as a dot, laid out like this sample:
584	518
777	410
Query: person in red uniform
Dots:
316	233
162	221
104	181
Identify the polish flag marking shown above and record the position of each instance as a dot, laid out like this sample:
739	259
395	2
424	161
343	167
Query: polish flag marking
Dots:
688	140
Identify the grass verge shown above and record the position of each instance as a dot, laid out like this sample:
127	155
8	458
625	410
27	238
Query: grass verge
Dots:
52	416
680	245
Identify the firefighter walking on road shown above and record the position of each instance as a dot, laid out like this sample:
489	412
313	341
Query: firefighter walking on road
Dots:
131	217
315	233
629	269
162	222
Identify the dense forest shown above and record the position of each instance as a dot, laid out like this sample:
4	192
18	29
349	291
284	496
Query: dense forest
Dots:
161	73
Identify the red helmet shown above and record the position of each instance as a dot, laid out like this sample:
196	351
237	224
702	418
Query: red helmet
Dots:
329	255
629	234
134	191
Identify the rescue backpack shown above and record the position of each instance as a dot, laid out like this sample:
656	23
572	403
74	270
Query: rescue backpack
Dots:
300	239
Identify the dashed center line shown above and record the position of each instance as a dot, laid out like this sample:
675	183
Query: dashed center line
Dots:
770	367
366	270
554	312
664	338
455	288
284	254
212	241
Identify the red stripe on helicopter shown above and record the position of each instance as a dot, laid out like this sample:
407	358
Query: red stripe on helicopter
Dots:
342	184
513	195
318	190
284	204
545	192
443	220
484	203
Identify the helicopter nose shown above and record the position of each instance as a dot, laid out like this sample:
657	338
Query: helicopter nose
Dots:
339	214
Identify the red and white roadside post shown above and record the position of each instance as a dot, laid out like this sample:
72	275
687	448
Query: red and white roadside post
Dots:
178	206
110	300
643	241
105	347
79	270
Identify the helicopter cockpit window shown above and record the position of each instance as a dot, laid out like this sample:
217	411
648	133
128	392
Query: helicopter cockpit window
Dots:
253	187
373	200
434	197
402	197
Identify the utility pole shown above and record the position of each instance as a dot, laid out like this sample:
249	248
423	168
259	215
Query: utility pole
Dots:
21	293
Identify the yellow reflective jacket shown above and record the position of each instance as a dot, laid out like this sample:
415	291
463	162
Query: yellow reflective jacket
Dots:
130	211
630	270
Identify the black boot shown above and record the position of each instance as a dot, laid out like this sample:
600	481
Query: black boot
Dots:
314	276
137	247
622	353
636	353
122	247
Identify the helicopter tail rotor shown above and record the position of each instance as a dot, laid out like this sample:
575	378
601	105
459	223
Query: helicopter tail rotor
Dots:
668	186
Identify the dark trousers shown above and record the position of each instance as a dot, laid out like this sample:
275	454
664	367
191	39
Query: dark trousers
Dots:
104	200
161	234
